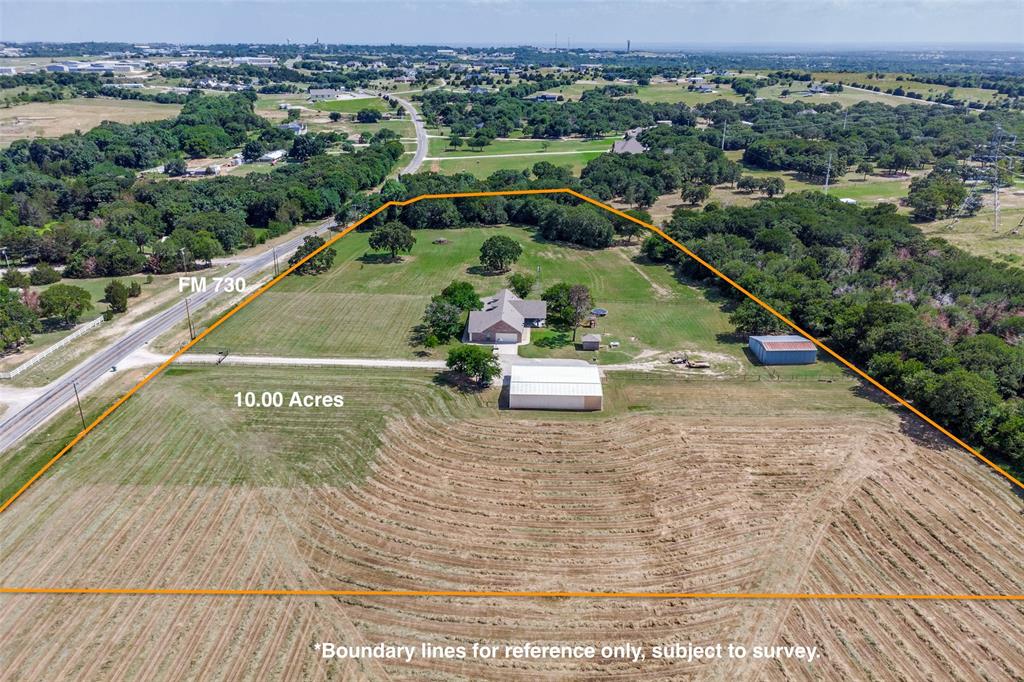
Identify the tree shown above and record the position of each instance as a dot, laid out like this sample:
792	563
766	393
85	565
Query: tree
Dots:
17	321
462	295
773	185
65	302
747	183
253	150
134	289
316	265
499	252
15	279
442	321
175	167
306	146
866	168
695	193
521	283
116	296
455	141
43	274
393	237
477	362
334	116
580	304
368	116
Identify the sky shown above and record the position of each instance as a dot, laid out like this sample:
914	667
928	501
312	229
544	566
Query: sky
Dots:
839	24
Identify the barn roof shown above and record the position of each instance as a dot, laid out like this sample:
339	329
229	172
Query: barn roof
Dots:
574	380
783	343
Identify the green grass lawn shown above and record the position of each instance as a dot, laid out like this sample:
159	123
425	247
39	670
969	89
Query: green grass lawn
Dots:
367	309
486	165
351	106
439	147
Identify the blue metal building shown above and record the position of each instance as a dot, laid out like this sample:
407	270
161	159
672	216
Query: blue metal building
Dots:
783	350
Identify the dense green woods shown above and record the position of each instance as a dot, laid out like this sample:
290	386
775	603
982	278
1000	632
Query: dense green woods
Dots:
595	114
937	325
75	200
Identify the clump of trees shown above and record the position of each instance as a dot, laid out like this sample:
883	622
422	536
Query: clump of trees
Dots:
320	263
474	362
445	315
569	305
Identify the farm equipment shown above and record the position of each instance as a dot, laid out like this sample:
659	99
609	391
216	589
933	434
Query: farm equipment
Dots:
687	362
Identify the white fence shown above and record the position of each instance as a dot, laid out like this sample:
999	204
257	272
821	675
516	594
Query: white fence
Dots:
42	355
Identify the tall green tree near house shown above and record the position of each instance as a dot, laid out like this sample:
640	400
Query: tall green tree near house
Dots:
499	252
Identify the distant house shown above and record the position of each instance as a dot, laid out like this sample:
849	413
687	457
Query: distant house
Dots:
817	88
706	89
294	126
325	94
478	90
695	79
783	350
545	97
629	144
504	319
591	342
8	71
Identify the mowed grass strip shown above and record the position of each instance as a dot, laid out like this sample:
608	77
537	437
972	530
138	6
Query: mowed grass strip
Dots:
484	166
352	106
440	146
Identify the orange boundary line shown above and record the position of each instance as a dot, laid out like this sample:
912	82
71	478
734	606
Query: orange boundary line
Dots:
508	594
463	195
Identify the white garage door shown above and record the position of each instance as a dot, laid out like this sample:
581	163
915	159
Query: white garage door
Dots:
546	402
506	338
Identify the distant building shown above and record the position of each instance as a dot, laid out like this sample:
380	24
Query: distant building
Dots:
783	350
255	61
8	71
57	68
274	156
478	90
546	97
591	342
325	94
706	89
294	126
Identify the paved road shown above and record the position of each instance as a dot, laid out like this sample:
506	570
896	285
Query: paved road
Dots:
17	423
421	137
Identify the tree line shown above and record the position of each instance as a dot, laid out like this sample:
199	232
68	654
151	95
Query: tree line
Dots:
936	325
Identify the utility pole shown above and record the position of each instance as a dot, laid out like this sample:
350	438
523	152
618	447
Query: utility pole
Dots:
845	116
74	385
3	250
828	171
188	314
183	263
274	249
995	178
725	126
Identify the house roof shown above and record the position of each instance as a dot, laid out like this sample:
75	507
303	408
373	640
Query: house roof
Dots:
575	380
782	343
591	337
628	146
505	307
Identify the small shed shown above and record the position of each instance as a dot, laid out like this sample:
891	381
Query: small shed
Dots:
783	350
555	387
591	342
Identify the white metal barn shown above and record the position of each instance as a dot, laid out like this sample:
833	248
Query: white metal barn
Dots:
555	387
